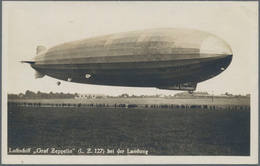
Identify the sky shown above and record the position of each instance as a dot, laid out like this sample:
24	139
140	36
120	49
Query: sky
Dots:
29	24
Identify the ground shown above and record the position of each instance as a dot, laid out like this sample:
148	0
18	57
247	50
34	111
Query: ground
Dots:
160	131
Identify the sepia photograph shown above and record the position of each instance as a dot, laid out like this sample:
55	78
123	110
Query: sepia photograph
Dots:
128	82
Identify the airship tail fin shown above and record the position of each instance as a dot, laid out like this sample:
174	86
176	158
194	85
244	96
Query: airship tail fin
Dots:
40	49
38	75
30	61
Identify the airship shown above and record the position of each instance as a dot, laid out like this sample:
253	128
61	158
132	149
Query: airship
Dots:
164	58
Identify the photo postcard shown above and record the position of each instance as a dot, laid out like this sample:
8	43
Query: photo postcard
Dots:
129	82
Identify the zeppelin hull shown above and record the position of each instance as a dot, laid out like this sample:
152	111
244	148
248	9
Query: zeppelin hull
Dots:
148	58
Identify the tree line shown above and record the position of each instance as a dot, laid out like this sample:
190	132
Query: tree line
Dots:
41	95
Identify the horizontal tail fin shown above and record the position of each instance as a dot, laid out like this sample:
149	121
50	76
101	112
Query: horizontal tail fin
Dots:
30	61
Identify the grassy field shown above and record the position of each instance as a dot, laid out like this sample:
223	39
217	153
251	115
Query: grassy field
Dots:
140	101
160	131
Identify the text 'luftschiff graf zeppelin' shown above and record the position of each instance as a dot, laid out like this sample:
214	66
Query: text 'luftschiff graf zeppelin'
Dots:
78	151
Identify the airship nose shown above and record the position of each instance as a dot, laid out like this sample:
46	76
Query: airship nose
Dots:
214	46
215	55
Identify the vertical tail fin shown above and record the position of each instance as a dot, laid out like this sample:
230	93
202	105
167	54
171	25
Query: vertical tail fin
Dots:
40	49
38	74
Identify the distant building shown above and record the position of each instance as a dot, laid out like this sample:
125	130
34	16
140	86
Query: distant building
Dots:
21	96
90	96
161	96
194	95
221	96
201	94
